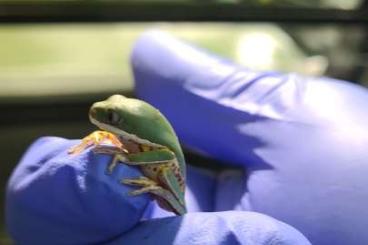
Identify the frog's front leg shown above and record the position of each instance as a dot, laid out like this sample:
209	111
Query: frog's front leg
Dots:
118	155
94	139
165	198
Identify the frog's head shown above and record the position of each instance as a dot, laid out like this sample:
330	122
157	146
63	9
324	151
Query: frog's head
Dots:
132	119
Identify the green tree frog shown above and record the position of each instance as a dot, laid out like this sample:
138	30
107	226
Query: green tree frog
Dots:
140	136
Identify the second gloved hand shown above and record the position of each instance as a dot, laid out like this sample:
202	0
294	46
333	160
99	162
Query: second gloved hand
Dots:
302	140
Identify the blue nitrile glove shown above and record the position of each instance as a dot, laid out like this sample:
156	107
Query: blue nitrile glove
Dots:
303	141
56	198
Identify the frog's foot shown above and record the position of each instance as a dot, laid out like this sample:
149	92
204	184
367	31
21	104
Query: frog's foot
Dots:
95	138
165	198
140	181
146	184
172	178
117	152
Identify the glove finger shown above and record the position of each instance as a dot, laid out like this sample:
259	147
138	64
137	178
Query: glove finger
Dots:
307	135
232	227
52	194
231	112
206	98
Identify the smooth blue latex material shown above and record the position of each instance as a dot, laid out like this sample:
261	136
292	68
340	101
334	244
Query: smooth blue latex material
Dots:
302	140
231	227
56	198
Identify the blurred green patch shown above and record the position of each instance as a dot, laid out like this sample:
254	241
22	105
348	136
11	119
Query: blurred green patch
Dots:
65	59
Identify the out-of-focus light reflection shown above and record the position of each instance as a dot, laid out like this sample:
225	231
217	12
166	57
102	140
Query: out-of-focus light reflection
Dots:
269	47
256	50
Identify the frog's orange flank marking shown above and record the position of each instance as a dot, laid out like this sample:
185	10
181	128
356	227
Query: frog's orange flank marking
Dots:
96	138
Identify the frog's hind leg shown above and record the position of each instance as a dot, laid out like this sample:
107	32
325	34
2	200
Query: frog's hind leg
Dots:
171	177
166	199
140	181
144	182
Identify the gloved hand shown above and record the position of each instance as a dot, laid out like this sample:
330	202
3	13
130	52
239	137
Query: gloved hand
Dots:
302	140
252	119
56	198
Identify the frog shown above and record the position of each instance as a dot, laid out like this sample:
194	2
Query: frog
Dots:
139	135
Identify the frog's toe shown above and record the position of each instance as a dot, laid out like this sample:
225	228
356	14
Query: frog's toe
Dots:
141	181
143	190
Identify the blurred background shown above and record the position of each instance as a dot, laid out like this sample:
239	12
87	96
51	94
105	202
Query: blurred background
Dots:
57	57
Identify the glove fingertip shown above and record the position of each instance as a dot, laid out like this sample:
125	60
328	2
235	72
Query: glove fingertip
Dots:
69	196
231	227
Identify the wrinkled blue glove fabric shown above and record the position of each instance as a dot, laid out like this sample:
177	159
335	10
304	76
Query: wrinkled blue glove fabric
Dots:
302	140
56	198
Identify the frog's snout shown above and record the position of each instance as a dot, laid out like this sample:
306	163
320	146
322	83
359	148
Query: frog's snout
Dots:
92	112
96	110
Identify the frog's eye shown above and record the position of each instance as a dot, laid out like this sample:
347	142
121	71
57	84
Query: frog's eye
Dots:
113	117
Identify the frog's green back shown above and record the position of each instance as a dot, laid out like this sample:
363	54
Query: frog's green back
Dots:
146	122
160	131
